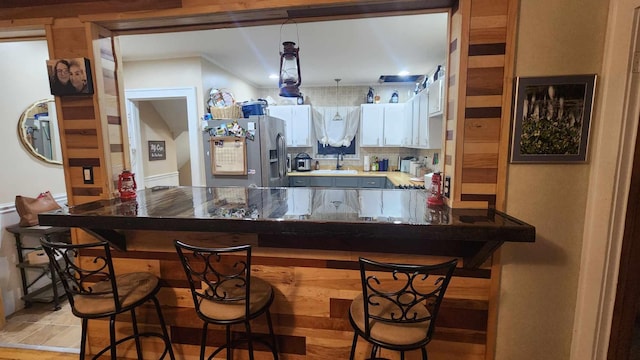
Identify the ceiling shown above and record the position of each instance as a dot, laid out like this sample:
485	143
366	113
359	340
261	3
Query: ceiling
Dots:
357	51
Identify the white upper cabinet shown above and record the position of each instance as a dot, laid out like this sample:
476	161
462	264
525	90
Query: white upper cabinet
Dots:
394	125
436	97
425	127
298	123
371	125
415	121
383	125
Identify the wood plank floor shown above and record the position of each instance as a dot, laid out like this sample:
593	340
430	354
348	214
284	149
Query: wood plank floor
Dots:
25	354
38	332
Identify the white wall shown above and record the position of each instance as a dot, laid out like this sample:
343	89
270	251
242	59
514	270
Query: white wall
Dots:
153	128
24	79
540	280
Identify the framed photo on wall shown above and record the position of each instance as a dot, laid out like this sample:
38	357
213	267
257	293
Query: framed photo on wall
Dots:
70	77
552	117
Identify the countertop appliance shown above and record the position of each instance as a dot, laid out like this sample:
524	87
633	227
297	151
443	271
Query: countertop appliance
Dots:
404	164
266	153
303	162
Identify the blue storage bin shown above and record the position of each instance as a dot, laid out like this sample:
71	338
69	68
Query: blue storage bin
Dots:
253	108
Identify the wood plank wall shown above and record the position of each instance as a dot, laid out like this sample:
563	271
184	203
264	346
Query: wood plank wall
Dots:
480	81
313	292
90	126
78	117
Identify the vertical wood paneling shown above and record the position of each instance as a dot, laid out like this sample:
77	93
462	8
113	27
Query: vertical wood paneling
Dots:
487	39
77	116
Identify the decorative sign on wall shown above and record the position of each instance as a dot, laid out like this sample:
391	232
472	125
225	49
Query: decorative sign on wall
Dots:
157	150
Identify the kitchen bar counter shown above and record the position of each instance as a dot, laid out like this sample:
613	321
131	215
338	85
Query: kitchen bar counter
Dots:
371	220
306	243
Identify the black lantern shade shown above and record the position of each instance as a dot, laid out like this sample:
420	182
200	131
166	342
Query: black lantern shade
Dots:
290	79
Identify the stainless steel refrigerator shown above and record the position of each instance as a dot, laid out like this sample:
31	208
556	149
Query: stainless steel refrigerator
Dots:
266	152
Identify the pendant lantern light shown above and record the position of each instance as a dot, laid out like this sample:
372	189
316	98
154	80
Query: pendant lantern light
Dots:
337	116
290	78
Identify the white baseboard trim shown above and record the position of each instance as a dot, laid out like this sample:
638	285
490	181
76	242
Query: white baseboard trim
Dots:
166	179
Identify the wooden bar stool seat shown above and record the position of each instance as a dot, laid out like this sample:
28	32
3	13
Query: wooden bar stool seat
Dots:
225	293
398	306
94	291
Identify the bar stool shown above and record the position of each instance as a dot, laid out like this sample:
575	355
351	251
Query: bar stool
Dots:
399	304
220	282
94	291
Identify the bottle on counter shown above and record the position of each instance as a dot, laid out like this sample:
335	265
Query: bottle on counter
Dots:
370	96
317	165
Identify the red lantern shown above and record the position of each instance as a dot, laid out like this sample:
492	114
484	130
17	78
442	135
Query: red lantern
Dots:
127	185
290	79
435	190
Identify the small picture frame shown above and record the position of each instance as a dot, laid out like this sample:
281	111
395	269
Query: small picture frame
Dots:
157	150
552	117
70	77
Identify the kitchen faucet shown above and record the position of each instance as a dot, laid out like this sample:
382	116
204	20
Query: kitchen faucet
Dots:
338	156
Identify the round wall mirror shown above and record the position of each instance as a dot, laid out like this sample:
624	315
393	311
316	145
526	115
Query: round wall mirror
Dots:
38	131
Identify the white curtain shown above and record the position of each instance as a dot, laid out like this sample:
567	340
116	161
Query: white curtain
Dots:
335	133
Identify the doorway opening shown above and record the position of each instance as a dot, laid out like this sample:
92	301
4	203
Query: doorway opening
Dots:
168	116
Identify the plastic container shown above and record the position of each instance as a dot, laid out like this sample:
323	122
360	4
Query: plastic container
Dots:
253	108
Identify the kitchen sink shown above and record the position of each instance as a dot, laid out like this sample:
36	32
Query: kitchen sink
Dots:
333	171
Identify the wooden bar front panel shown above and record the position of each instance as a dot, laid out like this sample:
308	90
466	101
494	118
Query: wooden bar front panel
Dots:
313	292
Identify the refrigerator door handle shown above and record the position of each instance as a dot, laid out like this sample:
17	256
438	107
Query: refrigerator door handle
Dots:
282	154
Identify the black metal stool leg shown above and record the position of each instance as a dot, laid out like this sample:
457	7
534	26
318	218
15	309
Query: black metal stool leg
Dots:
203	341
229	354
274	340
247	327
167	339
112	336
56	300
136	334
83	339
353	345
424	353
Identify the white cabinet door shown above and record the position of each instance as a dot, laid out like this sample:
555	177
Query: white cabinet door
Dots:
301	129
415	121
436	97
423	131
297	119
283	112
434	124
371	125
407	139
394	124
370	203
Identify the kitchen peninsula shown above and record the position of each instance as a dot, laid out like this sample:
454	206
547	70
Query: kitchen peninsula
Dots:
306	243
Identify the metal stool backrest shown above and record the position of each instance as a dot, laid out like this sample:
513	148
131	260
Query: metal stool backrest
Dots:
401	289
78	278
213	272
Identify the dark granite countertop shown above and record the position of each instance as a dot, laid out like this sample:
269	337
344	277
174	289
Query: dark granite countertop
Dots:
391	220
